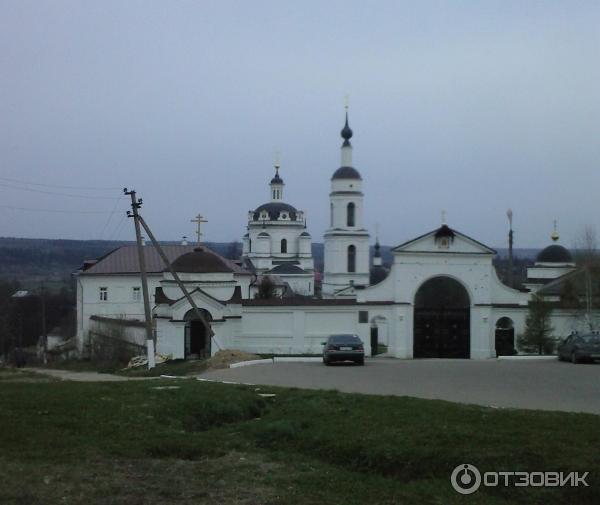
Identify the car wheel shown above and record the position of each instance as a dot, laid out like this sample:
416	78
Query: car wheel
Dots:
360	362
574	359
326	362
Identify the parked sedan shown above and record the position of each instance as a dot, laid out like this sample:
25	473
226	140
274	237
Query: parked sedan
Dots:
344	348
578	348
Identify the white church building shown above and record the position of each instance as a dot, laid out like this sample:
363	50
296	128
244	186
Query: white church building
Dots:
441	297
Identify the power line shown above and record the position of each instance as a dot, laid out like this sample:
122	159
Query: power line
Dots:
117	200
29	209
56	193
59	186
117	231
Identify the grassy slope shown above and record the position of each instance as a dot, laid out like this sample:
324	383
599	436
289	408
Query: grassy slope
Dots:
130	443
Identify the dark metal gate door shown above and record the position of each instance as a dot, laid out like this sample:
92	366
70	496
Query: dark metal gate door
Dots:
442	333
374	341
505	341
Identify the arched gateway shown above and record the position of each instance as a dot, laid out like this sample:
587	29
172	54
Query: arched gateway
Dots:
442	320
197	335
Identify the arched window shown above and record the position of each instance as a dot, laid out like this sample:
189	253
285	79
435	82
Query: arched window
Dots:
249	245
331	215
283	245
351	258
350	211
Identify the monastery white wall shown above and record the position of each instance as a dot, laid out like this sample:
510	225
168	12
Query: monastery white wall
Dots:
294	330
120	302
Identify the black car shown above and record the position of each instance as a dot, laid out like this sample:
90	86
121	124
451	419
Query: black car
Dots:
344	348
577	348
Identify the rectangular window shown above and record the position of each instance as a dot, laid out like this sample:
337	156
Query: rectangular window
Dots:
103	294
363	316
136	294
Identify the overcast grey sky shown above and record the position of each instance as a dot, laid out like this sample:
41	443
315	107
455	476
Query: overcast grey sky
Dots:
471	107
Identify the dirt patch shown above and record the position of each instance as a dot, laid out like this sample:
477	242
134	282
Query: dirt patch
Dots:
223	359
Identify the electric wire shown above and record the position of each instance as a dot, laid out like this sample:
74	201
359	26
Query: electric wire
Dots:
31	209
88	188
117	200
95	197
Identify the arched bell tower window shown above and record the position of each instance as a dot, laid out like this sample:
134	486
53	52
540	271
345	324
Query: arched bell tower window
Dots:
350	212
283	245
249	245
331	215
351	258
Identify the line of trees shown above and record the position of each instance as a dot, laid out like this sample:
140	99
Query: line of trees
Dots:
22	318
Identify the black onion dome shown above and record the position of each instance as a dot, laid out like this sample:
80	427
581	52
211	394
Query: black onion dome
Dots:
200	260
346	173
377	253
377	274
346	132
274	209
277	179
554	254
287	268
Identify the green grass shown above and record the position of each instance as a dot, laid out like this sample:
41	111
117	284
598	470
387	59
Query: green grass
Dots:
118	443
82	365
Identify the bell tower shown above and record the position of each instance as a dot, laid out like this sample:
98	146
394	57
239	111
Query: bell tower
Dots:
346	240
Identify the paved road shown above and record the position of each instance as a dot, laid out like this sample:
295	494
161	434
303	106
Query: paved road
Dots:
547	385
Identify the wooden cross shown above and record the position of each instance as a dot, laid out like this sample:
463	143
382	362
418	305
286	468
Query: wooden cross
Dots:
199	220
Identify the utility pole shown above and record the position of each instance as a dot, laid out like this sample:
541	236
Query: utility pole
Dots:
509	278
199	220
44	329
150	342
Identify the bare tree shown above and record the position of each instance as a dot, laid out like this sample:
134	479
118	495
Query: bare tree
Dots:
234	250
586	247
584	294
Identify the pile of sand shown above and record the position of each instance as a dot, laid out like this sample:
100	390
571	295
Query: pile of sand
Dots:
222	359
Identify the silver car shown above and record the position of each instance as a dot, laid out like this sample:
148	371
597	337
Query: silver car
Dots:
344	347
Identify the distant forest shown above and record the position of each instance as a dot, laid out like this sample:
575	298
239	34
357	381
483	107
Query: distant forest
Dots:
32	261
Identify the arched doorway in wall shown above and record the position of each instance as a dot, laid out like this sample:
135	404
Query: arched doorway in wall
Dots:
379	335
505	337
197	335
442	320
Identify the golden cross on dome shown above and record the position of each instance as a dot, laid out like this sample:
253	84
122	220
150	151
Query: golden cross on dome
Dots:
555	235
199	220
277	162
